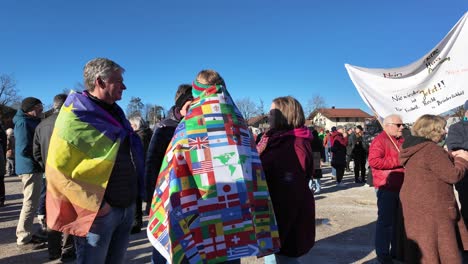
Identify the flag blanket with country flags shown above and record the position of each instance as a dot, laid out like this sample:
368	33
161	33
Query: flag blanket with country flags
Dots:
211	202
82	152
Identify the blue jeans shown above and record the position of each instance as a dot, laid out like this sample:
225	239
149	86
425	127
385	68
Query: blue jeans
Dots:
107	240
385	235
41	209
327	158
157	258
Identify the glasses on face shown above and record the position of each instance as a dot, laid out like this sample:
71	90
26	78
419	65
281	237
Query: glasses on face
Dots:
398	124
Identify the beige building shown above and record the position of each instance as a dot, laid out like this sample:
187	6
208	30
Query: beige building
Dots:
329	117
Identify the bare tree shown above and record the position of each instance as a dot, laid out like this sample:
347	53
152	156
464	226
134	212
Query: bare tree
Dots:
78	87
247	108
135	107
261	107
154	113
8	92
315	103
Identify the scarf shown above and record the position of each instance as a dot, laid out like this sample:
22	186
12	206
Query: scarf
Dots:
273	134
211	202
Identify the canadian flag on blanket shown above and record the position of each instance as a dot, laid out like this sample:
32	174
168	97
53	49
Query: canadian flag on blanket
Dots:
434	84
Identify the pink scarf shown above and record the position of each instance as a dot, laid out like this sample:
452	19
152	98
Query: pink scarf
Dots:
272	134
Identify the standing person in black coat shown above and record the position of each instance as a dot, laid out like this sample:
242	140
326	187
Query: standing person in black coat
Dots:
349	149
359	154
318	154
56	247
160	140
140	126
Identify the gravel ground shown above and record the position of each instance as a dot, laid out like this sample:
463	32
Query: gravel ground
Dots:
345	220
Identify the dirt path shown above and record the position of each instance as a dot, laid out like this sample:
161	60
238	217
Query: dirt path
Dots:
345	227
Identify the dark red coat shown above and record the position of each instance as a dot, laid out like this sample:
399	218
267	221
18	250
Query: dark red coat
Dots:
288	165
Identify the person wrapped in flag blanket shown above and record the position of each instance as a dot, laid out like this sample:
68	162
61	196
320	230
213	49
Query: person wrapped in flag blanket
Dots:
211	202
95	167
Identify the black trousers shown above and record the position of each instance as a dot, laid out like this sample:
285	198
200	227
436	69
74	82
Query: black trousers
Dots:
57	245
339	174
360	167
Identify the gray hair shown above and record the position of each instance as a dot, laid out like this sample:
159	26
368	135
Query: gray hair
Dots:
389	119
138	122
99	68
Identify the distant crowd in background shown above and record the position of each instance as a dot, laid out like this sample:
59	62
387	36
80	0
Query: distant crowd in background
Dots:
217	190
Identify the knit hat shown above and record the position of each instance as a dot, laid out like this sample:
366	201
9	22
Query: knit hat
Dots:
466	105
29	103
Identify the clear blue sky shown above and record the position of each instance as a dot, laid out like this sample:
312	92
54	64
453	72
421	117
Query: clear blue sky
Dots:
263	49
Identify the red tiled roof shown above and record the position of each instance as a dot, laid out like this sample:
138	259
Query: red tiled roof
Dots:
341	112
254	120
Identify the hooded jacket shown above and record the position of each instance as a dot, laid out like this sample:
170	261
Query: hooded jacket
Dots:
428	201
25	126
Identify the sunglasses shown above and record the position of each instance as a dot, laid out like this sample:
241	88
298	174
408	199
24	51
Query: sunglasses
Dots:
398	124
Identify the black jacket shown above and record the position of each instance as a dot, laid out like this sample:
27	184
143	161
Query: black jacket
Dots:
160	140
41	141
457	138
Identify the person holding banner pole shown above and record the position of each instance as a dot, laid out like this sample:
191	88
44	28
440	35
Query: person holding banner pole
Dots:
388	178
457	139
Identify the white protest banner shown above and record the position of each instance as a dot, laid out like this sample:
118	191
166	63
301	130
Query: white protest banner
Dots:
434	84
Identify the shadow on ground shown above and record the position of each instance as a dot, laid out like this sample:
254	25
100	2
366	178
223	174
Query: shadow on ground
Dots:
357	243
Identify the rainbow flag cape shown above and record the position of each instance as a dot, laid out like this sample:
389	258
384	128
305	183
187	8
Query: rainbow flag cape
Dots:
82	152
211	202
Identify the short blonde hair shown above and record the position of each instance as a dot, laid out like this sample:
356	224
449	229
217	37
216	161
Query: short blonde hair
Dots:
429	126
291	111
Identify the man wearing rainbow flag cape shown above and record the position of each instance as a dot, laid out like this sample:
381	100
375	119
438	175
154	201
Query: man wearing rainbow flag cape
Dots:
94	167
211	202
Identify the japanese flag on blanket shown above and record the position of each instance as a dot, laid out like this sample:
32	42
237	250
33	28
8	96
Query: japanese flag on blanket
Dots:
434	84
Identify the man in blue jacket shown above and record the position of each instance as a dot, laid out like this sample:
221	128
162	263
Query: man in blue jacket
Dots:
26	120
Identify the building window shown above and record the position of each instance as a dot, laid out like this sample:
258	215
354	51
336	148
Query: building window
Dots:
347	119
357	119
337	119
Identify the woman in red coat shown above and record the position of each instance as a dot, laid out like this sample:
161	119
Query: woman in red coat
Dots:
286	155
430	210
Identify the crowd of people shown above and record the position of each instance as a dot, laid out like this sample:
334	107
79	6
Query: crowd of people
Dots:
215	192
